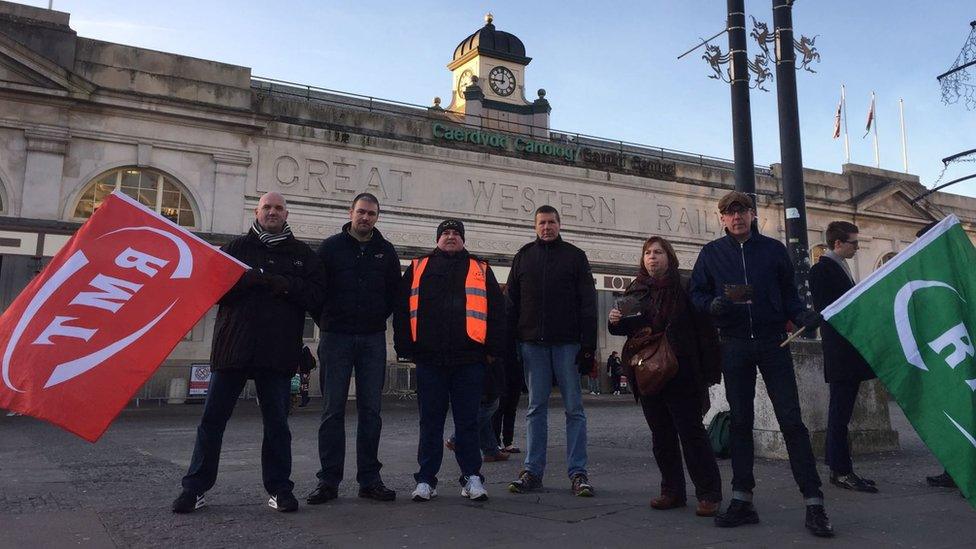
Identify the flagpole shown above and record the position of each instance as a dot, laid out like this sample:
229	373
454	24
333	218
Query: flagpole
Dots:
877	153
847	141
904	138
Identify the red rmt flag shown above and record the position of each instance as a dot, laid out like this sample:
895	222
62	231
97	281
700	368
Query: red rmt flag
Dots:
95	324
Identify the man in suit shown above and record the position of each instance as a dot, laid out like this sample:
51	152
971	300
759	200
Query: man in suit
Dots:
844	368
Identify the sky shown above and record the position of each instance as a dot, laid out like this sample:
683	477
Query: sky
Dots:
610	69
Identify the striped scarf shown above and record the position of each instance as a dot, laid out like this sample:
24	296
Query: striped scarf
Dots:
271	239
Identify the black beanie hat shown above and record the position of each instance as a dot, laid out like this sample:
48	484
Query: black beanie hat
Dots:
450	224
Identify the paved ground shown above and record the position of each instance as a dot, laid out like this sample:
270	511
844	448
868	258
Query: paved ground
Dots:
59	491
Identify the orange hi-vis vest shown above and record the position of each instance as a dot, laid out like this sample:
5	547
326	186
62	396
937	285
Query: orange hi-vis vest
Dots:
475	299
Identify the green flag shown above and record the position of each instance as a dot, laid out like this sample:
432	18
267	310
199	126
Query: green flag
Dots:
912	320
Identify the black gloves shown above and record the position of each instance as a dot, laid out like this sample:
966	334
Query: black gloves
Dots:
277	284
809	319
720	306
251	279
584	359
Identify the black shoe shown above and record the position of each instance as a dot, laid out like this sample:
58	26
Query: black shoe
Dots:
321	494
283	502
941	481
738	513
818	523
526	482
304	402
378	492
852	482
187	502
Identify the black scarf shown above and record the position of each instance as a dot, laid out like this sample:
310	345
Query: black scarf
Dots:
658	297
271	239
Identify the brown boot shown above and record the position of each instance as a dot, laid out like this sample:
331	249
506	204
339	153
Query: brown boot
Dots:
707	508
667	501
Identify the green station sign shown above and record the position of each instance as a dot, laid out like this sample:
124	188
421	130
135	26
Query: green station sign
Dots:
584	156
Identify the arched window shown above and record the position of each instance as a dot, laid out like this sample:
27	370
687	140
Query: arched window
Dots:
884	259
155	190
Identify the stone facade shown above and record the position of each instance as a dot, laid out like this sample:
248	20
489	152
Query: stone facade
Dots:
73	108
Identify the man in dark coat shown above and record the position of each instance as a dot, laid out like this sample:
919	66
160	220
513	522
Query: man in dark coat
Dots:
258	335
552	315
362	273
844	368
449	320
745	281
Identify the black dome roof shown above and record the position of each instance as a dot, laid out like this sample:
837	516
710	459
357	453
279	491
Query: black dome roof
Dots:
492	43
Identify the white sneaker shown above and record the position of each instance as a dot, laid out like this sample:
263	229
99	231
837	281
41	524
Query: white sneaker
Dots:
474	489
424	492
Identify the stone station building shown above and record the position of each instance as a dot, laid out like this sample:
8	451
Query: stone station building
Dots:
200	141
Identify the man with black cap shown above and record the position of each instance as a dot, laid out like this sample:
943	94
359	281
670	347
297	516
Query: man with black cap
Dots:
449	319
746	282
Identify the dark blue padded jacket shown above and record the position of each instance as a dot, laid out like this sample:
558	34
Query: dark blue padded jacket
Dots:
761	262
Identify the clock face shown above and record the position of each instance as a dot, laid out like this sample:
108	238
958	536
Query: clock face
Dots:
502	81
464	81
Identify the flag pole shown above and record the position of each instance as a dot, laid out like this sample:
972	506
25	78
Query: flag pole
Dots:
904	138
877	153
847	141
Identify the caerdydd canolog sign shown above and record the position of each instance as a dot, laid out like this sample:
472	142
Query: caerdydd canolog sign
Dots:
555	151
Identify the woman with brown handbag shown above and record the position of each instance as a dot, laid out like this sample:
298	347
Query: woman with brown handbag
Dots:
672	355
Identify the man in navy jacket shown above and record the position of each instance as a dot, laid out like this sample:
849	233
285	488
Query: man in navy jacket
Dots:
362	273
745	281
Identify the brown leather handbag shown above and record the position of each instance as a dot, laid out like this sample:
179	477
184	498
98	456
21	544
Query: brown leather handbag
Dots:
653	361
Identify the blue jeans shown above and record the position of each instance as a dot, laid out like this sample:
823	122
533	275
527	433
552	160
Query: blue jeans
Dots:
594	384
542	363
437	388
339	355
274	389
740	359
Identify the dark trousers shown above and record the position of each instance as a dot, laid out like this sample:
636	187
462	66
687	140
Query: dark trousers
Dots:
339	356
438	387
274	391
503	421
675	415
843	394
740	359
616	382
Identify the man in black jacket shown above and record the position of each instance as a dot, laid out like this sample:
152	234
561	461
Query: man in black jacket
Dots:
746	282
844	368
552	312
258	335
449	320
362	272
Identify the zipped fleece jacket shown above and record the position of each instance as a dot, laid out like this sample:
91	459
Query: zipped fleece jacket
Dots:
551	295
360	283
761	262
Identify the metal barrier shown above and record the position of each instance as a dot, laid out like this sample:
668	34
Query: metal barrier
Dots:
401	380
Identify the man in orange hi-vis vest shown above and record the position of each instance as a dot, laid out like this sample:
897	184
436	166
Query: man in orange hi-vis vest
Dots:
449	319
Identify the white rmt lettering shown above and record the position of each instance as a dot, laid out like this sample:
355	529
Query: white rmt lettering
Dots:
57	327
143	262
958	338
112	296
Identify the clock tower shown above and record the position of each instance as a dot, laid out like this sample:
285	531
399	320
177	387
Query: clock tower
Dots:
488	80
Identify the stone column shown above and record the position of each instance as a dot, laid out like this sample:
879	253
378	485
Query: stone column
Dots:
870	428
41	194
230	178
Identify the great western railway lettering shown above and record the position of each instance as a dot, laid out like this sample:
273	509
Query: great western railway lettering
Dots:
314	177
522	200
